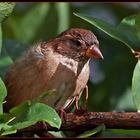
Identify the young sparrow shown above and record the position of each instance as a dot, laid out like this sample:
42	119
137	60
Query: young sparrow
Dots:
61	64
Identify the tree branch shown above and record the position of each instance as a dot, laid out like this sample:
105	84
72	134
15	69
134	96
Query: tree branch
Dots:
79	122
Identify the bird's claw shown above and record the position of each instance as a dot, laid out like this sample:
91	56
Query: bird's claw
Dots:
62	114
82	110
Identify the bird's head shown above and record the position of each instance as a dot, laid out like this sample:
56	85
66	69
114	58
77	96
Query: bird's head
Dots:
78	44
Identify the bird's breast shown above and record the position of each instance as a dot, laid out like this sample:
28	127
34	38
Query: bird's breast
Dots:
66	80
62	80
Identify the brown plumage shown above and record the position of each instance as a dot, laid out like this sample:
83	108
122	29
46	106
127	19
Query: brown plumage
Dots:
61	64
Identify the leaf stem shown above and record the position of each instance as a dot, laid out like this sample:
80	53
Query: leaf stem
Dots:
136	54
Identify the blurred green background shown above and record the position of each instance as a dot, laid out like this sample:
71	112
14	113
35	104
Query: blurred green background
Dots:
110	79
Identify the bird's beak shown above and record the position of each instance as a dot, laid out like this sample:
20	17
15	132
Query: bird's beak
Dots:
94	52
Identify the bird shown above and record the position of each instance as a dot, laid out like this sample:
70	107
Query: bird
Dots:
61	63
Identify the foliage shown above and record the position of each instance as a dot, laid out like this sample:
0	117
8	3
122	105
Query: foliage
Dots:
135	85
110	80
92	132
3	93
5	10
28	26
126	33
26	115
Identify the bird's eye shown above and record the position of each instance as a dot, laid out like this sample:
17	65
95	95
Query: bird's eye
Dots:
95	43
77	43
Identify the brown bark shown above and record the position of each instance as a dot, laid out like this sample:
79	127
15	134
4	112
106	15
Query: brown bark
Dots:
79	122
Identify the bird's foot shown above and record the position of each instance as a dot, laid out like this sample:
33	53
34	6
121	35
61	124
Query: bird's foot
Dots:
86	100
44	129
62	114
82	110
79	110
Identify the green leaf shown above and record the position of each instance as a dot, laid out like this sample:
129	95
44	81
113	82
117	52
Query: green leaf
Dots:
3	93
127	26
9	130
124	33
136	85
5	62
6	8
42	112
63	16
14	120
29	24
137	25
58	134
27	114
20	112
12	131
35	113
93	131
0	38
120	133
6	118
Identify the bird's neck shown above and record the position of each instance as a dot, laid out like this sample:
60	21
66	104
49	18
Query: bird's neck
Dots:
82	64
75	66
